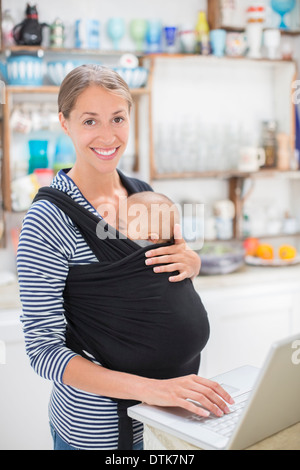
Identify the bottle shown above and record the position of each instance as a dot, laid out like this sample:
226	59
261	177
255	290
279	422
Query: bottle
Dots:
202	30
269	129
7	29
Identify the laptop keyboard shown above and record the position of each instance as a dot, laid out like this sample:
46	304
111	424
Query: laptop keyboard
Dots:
227	423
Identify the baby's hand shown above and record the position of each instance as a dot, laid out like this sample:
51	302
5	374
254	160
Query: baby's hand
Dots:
178	257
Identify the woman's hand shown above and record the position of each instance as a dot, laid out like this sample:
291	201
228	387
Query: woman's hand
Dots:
177	257
180	391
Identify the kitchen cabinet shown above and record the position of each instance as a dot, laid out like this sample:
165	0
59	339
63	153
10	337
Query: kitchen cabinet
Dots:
247	313
24	396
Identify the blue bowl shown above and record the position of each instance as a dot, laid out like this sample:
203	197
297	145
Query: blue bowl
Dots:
24	70
57	70
135	78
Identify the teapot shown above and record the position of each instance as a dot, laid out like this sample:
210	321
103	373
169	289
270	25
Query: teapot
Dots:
29	32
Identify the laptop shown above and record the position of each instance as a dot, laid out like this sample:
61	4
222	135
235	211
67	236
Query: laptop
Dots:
267	401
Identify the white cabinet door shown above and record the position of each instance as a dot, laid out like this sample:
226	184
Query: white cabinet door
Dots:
243	326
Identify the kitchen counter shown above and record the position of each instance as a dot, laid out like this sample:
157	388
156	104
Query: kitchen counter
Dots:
288	439
246	276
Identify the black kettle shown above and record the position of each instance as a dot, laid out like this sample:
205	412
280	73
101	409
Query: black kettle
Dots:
29	32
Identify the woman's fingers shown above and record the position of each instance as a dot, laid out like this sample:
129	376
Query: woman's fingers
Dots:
193	393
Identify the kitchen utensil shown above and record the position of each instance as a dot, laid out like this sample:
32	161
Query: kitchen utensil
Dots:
58	69
30	31
251	158
218	42
272	39
87	34
116	30
23	70
282	7
138	30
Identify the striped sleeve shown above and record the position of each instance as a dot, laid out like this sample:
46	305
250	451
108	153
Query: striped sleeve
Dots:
47	242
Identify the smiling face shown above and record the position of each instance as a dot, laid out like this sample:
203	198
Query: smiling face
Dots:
99	128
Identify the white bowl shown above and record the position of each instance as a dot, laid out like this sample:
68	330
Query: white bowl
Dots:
57	70
134	77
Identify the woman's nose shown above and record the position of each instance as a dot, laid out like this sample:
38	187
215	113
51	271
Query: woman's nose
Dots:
107	135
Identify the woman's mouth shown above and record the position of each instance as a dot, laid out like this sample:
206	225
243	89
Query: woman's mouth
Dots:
105	154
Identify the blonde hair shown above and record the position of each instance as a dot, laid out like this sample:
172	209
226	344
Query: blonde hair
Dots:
84	76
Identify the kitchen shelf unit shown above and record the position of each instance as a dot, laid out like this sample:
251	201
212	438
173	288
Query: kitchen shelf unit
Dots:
281	75
214	17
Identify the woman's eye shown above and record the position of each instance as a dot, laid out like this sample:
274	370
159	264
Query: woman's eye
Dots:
89	122
118	120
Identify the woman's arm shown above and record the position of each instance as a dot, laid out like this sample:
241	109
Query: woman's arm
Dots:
90	377
177	257
46	242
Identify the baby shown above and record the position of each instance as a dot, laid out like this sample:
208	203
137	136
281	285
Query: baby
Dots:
148	217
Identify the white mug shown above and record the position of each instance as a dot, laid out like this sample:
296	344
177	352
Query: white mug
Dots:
251	158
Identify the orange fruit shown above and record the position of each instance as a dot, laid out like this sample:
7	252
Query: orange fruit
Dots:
287	252
265	251
250	245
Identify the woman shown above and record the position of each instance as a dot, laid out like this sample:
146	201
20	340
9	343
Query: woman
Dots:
94	110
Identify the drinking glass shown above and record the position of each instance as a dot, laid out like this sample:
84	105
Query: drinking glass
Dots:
153	36
138	30
115	31
282	7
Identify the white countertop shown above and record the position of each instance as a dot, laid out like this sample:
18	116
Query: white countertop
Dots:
245	277
249	275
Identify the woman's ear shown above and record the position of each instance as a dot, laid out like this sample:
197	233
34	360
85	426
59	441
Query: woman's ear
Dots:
64	123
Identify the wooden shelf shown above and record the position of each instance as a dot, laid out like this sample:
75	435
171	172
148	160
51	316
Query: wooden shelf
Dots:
55	89
227	174
73	50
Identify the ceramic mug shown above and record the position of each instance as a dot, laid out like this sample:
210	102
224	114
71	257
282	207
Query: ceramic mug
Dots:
188	40
251	158
236	44
218	42
272	40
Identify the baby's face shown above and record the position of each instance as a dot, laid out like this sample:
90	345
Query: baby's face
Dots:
142	222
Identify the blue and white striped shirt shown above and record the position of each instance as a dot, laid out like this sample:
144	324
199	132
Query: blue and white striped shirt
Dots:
49	244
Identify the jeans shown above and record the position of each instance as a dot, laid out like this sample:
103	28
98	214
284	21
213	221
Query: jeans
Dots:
60	444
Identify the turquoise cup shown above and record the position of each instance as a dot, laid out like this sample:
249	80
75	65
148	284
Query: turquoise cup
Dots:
218	42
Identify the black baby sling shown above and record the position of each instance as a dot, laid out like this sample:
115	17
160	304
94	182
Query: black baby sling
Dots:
127	317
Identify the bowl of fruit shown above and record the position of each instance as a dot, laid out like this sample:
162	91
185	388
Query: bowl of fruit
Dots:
265	254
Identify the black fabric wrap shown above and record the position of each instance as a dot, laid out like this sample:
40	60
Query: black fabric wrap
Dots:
128	317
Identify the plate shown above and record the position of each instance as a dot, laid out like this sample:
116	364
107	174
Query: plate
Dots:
276	262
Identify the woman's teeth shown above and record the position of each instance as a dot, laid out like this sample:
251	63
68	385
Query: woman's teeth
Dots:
105	153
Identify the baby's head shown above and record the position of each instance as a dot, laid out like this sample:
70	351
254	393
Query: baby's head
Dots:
148	216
